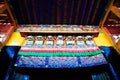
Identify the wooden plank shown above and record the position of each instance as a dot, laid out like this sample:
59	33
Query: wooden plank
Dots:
2	8
3	14
108	35
118	45
10	15
106	15
6	38
23	34
116	11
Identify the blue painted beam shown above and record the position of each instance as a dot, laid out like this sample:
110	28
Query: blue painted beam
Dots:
62	12
20	11
98	12
81	11
37	11
75	11
87	12
23	11
30	11
55	11
42	11
93	10
49	13
16	12
69	11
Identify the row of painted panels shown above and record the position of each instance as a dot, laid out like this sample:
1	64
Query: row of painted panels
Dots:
60	62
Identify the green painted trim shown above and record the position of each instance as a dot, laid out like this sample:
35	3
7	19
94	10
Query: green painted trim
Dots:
48	54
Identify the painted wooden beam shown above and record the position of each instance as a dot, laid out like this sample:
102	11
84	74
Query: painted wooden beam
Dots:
106	15
116	11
